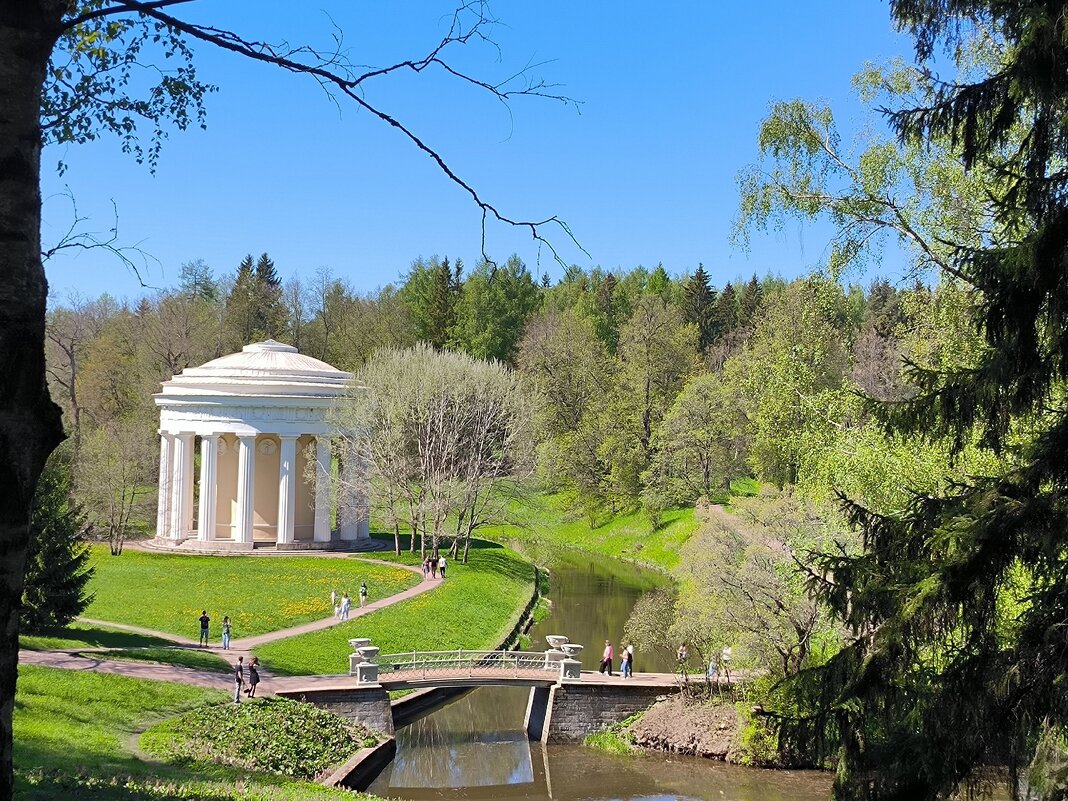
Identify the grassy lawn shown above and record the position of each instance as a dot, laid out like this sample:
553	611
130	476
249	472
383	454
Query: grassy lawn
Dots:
166	592
83	635
546	520
75	739
201	660
475	607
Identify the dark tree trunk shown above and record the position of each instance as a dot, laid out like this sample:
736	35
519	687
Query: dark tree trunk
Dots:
30	424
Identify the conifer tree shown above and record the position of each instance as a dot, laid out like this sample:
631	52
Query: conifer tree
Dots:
752	295
268	311
441	305
958	604
57	562
699	306
240	303
726	313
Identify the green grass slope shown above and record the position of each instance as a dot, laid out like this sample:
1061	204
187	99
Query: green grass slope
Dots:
166	592
75	739
475	607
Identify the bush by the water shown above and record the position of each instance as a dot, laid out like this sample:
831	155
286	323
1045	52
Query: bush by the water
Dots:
270	734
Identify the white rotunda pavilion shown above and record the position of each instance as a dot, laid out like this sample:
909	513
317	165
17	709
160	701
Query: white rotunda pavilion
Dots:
258	418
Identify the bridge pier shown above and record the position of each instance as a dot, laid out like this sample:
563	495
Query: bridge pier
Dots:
368	706
569	711
537	712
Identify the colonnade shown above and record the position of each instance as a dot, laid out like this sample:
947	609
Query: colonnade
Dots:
176	489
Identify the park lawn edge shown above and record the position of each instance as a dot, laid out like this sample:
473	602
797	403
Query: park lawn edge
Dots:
94	720
496	594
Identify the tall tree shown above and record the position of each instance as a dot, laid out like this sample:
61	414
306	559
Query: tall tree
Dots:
57	563
496	303
700	305
53	87
268	312
957	604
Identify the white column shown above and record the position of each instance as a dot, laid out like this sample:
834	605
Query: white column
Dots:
181	494
287	489
246	482
163	508
209	485
323	470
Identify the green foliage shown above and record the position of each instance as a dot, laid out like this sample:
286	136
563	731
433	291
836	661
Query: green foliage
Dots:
254	309
73	738
700	446
937	671
166	592
57	569
267	734
699	307
90	72
493	309
610	741
476	607
758	739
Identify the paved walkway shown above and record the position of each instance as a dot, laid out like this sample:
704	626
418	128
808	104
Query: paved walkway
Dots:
69	658
130	668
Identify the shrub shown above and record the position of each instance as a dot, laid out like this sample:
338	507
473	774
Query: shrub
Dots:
270	734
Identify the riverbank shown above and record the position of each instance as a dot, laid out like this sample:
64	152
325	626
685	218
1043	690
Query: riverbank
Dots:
479	604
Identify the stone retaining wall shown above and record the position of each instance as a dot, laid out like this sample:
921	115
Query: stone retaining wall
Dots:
367	706
575	710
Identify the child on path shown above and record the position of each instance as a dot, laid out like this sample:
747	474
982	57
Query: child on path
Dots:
239	678
226	632
346	602
363	594
606	658
204	621
441	566
253	676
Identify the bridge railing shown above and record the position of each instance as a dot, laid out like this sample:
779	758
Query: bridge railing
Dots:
428	664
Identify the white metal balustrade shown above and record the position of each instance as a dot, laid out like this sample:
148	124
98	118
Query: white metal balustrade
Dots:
464	663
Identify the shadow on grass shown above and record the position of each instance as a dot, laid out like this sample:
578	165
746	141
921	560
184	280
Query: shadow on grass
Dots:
84	636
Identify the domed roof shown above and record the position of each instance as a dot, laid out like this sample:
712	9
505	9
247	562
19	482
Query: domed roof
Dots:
263	368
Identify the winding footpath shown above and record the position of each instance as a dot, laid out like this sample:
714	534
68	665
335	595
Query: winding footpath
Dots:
83	659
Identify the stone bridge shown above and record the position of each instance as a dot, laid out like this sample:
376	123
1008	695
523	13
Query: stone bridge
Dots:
565	703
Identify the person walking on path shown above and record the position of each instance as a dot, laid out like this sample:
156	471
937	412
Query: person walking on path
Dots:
239	678
606	658
725	662
441	566
426	568
624	664
253	676
433	567
333	599
630	656
204	621
346	602
363	594
226	632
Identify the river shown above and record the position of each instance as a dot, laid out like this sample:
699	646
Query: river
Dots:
476	748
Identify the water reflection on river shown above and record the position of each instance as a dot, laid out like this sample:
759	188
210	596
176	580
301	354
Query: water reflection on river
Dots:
476	748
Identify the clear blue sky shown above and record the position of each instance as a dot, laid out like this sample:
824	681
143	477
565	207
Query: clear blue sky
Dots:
671	97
